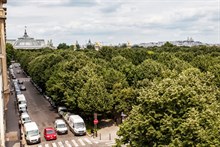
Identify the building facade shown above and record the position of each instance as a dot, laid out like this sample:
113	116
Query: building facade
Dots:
4	94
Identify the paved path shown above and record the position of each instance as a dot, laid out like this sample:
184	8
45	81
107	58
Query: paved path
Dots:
108	133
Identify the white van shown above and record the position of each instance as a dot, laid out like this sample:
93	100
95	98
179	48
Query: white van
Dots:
31	133
22	108
60	126
21	99
25	118
77	125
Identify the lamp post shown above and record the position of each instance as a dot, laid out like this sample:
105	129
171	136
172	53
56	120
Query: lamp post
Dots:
95	122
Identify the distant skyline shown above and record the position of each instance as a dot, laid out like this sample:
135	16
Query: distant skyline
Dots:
114	21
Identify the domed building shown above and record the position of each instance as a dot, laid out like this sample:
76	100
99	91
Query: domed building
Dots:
26	42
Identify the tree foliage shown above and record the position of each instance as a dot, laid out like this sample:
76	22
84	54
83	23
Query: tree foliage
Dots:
170	93
63	46
183	111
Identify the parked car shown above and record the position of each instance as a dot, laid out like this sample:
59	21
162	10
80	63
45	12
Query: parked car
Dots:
22	87
20	82
60	126
22	108
31	133
25	118
61	110
13	76
50	134
77	125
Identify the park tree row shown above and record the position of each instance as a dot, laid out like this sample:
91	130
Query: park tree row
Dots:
170	94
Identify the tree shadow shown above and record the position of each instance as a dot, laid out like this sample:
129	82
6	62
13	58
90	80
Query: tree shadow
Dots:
103	123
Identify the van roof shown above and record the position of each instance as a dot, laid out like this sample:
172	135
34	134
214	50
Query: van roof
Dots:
20	96
21	99
60	121
30	126
22	105
76	118
24	115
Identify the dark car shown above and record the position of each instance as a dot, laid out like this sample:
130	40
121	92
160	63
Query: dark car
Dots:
22	87
13	76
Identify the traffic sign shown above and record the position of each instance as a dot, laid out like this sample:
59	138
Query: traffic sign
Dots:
96	121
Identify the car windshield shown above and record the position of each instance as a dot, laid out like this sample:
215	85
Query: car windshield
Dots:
26	119
61	126
50	132
22	107
22	102
33	133
79	125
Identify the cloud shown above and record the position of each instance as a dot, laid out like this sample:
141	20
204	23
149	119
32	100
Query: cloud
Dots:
114	21
52	3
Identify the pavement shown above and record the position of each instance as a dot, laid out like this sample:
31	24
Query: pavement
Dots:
12	126
107	131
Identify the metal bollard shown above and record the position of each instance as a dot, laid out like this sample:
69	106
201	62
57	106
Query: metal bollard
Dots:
109	136
100	136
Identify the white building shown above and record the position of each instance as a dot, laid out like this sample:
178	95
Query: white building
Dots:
26	42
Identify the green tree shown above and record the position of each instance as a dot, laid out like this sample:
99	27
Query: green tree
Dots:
10	52
124	66
204	61
63	46
93	96
183	111
149	69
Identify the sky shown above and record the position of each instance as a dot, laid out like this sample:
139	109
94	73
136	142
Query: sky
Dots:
114	21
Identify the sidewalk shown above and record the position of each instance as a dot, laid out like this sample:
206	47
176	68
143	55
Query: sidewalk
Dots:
107	130
12	127
108	133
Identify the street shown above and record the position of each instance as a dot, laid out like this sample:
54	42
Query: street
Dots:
44	115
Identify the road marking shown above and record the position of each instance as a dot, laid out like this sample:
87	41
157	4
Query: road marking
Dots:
110	143
54	144
82	143
60	144
96	142
68	144
74	142
87	140
39	145
46	145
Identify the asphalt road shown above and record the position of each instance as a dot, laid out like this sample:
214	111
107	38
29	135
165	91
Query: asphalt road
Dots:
44	115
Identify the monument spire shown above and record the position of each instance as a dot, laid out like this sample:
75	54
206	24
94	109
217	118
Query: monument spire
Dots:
25	31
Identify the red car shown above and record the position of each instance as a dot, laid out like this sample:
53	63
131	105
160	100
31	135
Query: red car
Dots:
50	134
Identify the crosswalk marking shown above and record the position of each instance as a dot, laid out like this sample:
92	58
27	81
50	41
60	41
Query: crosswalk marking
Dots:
74	142
54	144
68	144
82	143
60	144
87	140
96	142
110	143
